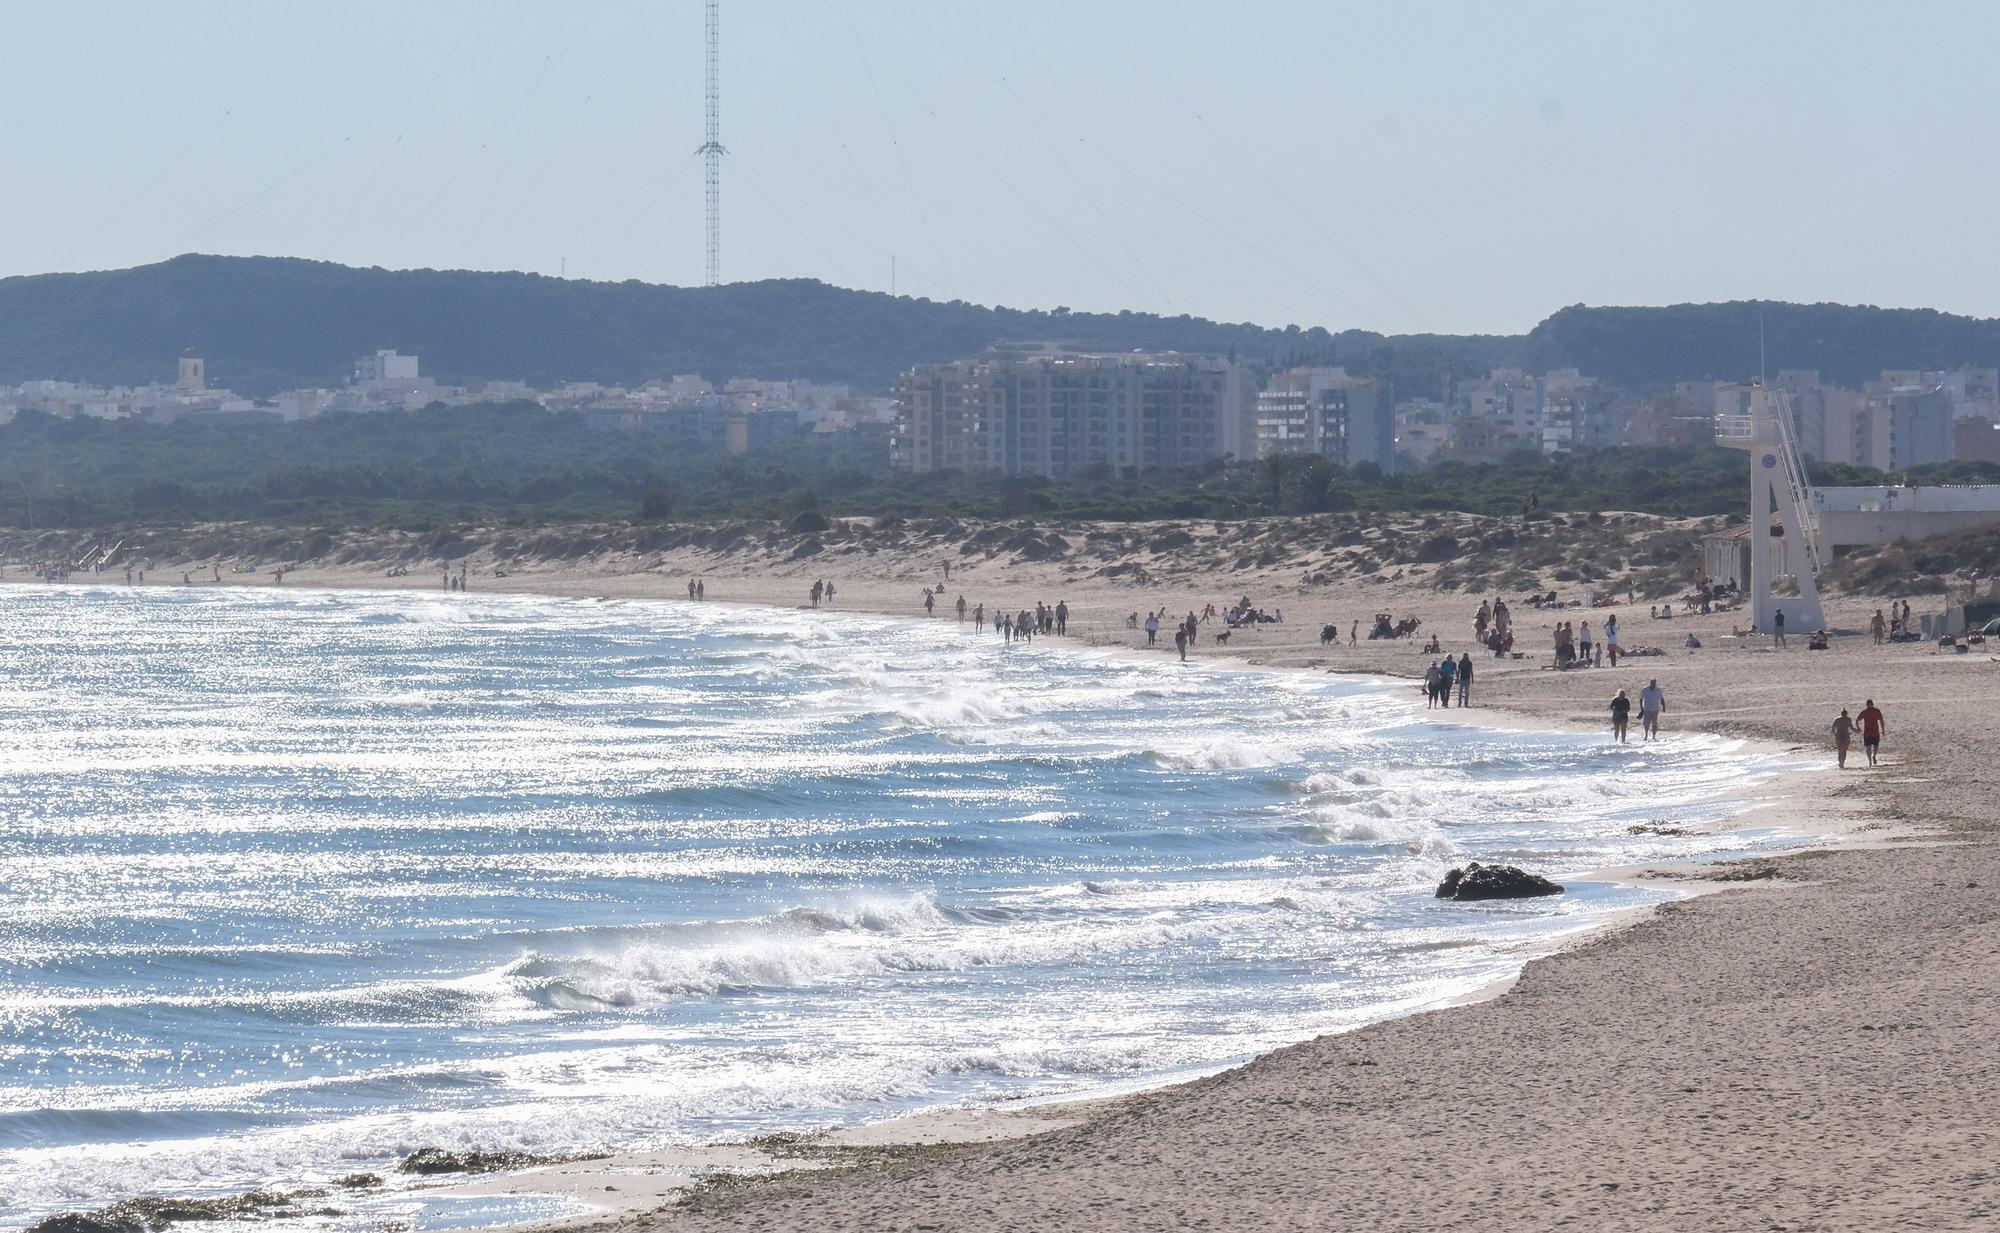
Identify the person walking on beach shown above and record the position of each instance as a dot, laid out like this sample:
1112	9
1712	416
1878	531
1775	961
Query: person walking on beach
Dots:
1778	627
1431	678
1651	702
1447	677
961	610
1621	714
1873	727
1465	679
818	589
1062	616
1878	627
930	602
1843	730
1611	638
1180	641
1152	628
701	589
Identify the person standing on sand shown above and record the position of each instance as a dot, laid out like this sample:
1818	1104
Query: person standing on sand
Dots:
1621	713
1062	617
701	589
818	589
930	602
1180	641
1651	702
961	610
1152	628
979	615
1465	679
1873	726
1878	627
1431	678
1583	644
1354	633
1778	627
1611	638
1843	729
1447	677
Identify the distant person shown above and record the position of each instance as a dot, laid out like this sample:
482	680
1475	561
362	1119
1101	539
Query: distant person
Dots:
979	615
1152	628
701	589
1651	702
961	610
1843	731
1880	628
930	603
1447	677
1583	641
947	570
1621	714
1354	633
1778	626
1465	679
1611	638
1874	725
1062	616
819	589
690	590
1180	641
1432	675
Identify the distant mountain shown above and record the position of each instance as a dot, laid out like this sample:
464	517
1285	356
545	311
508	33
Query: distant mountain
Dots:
268	323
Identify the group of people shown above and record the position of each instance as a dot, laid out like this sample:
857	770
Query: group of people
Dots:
1576	648
1445	675
1024	624
1897	627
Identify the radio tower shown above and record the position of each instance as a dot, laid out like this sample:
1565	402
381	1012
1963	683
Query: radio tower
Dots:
712	148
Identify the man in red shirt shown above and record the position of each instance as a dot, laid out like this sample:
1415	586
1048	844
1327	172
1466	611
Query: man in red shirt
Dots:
1872	728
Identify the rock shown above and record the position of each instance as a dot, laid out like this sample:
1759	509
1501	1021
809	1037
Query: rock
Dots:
150	1213
428	1160
807	522
1477	881
359	1181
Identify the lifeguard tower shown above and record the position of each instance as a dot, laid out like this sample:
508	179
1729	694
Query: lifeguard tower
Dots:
1780	505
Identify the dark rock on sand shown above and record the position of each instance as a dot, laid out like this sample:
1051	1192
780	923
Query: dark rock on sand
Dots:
428	1160
807	522
1477	881
149	1213
359	1181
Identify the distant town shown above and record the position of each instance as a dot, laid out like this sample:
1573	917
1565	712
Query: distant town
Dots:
1051	409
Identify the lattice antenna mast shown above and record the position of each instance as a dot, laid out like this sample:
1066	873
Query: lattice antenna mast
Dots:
712	148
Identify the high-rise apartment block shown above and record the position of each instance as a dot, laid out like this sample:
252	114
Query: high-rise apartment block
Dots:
1324	411
1051	412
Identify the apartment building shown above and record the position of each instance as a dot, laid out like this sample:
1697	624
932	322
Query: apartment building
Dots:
1051	412
1324	411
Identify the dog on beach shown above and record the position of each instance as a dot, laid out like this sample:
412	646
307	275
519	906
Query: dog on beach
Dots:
1328	633
1222	636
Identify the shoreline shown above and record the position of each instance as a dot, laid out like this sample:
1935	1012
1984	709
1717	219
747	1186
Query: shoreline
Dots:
1862	802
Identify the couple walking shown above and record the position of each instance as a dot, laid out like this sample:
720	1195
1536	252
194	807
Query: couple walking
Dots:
1873	726
1652	701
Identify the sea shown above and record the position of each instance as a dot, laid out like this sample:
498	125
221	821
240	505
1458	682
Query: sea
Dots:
295	882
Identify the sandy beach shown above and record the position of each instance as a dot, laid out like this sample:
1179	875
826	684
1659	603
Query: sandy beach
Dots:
1806	1049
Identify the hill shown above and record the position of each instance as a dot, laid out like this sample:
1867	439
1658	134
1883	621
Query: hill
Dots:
266	323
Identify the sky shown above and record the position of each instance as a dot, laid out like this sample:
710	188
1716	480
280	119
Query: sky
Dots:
1421	167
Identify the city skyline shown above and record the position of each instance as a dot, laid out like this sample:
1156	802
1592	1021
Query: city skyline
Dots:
1287	167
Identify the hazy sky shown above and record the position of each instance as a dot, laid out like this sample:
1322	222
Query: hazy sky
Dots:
1450	167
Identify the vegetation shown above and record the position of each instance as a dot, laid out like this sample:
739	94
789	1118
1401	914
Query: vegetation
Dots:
518	462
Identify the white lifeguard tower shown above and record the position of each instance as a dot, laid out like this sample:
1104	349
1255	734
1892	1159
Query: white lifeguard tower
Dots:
1777	486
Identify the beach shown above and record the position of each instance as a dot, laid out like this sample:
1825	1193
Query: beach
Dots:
1804	1049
